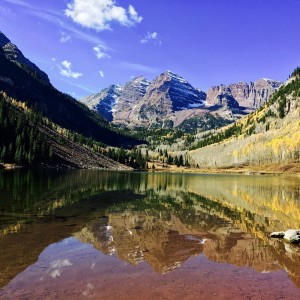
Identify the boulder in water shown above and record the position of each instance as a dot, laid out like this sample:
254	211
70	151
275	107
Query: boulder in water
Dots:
291	235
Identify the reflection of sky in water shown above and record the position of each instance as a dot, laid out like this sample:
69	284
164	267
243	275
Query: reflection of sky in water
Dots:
77	270
64	250
57	266
193	238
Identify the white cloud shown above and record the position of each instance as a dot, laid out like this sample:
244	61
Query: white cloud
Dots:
99	14
65	70
134	16
151	37
53	58
100	51
84	87
101	73
64	37
57	266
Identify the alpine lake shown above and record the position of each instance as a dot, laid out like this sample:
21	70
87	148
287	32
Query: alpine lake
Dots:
116	235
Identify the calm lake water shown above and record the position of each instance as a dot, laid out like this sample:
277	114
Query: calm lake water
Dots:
109	235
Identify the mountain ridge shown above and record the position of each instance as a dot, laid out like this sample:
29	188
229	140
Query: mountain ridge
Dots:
170	99
250	95
13	54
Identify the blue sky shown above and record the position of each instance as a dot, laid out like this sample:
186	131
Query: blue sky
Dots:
86	45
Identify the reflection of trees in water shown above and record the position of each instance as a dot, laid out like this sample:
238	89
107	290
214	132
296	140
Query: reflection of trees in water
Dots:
163	217
271	202
167	227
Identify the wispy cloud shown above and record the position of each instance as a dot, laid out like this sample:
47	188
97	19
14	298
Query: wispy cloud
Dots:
79	34
101	73
64	37
151	37
44	14
100	51
85	88
138	67
66	70
99	14
20	3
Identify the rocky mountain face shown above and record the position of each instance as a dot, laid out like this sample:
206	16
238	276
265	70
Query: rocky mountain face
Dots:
13	54
144	103
167	94
169	100
176	91
131	95
250	95
104	101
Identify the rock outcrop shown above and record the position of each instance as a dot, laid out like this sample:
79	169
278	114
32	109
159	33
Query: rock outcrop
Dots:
252	95
227	101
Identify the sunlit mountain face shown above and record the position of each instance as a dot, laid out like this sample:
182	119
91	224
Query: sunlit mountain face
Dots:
141	224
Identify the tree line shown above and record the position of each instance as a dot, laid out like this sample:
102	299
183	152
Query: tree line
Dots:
21	141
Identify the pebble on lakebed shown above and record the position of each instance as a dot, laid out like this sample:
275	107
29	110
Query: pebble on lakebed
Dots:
291	235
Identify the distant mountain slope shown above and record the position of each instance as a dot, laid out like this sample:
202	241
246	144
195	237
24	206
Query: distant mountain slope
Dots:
270	135
21	83
103	103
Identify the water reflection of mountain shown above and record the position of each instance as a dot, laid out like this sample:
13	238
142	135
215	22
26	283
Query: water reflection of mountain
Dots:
168	238
161	218
169	225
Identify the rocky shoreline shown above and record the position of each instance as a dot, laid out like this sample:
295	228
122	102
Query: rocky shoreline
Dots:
60	167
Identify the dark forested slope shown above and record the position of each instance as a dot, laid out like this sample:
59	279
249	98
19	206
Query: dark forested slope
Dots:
21	83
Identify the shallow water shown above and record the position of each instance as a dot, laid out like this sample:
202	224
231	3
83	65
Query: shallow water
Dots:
109	235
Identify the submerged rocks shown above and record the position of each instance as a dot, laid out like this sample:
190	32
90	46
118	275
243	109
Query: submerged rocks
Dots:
291	235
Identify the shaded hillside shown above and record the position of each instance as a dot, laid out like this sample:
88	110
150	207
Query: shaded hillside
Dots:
20	82
270	135
29	139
